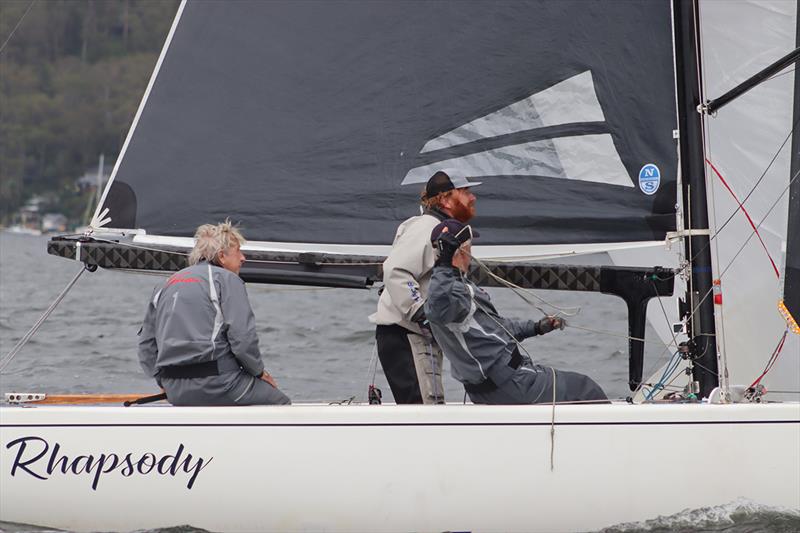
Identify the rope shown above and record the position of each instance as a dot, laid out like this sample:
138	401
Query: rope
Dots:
17	26
372	367
566	311
752	190
722	274
669	370
772	360
747	216
741	249
24	340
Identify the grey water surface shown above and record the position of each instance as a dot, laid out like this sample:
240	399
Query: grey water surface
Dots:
317	343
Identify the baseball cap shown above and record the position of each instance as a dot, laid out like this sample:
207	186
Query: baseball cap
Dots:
463	232
447	179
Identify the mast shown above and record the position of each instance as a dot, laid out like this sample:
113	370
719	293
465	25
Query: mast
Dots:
701	330
791	279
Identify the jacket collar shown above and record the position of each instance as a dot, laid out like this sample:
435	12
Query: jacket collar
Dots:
438	213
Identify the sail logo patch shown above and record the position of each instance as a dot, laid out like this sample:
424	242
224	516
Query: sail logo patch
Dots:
649	179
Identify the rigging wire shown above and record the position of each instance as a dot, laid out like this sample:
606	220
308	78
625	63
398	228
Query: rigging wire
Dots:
722	273
566	311
752	190
711	215
772	360
372	367
3	47
784	73
747	216
522	292
769	211
24	340
515	288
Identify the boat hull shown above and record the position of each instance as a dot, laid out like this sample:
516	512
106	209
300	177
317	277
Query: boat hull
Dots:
390	468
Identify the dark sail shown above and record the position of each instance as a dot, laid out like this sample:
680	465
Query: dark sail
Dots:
791	283
300	120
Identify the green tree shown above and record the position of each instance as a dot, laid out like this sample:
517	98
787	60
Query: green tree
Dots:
71	78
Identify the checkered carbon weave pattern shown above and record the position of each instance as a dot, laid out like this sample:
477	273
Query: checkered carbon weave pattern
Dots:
539	276
108	255
122	256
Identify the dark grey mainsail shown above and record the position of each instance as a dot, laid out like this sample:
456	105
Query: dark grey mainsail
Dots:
791	283
301	120
791	287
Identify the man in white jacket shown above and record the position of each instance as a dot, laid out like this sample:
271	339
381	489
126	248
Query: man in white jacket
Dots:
409	355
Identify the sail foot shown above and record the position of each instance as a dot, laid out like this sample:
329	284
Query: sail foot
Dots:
636	286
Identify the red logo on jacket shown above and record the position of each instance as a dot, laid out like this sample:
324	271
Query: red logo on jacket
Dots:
178	278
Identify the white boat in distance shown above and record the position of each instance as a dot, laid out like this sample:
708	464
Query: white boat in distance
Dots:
331	105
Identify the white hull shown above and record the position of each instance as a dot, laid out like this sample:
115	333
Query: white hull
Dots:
394	468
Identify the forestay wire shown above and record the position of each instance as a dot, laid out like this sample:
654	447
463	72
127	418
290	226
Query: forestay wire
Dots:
24	340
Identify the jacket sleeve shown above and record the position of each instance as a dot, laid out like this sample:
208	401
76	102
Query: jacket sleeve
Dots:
411	256
520	329
241	324
449	297
148	347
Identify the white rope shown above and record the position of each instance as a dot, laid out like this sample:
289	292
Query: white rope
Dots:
24	340
522	292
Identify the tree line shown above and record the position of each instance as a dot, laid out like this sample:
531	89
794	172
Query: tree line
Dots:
72	73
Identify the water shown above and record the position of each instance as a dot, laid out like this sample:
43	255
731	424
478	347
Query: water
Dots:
316	342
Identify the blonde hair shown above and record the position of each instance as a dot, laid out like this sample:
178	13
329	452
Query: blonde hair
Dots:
211	239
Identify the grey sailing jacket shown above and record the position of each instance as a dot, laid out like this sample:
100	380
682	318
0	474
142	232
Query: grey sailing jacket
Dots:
477	341
407	271
200	314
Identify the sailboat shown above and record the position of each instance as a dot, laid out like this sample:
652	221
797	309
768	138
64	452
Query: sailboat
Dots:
312	124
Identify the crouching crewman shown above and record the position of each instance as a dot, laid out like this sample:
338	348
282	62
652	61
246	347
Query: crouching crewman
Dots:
199	335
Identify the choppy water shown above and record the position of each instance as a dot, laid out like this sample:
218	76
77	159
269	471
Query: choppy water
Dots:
736	517
316	342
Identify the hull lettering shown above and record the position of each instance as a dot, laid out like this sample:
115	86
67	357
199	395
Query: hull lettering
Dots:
38	458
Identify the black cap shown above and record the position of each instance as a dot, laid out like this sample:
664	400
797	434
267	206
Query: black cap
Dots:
463	232
447	179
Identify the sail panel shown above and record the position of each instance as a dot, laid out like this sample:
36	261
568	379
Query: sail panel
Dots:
300	120
749	143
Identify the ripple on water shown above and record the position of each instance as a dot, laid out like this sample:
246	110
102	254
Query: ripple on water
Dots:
741	516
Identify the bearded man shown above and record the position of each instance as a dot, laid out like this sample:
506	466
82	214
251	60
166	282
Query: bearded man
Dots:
409	355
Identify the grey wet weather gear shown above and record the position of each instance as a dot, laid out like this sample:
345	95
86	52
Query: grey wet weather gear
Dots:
482	348
199	325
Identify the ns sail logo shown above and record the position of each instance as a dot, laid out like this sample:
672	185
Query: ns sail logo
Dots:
649	179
